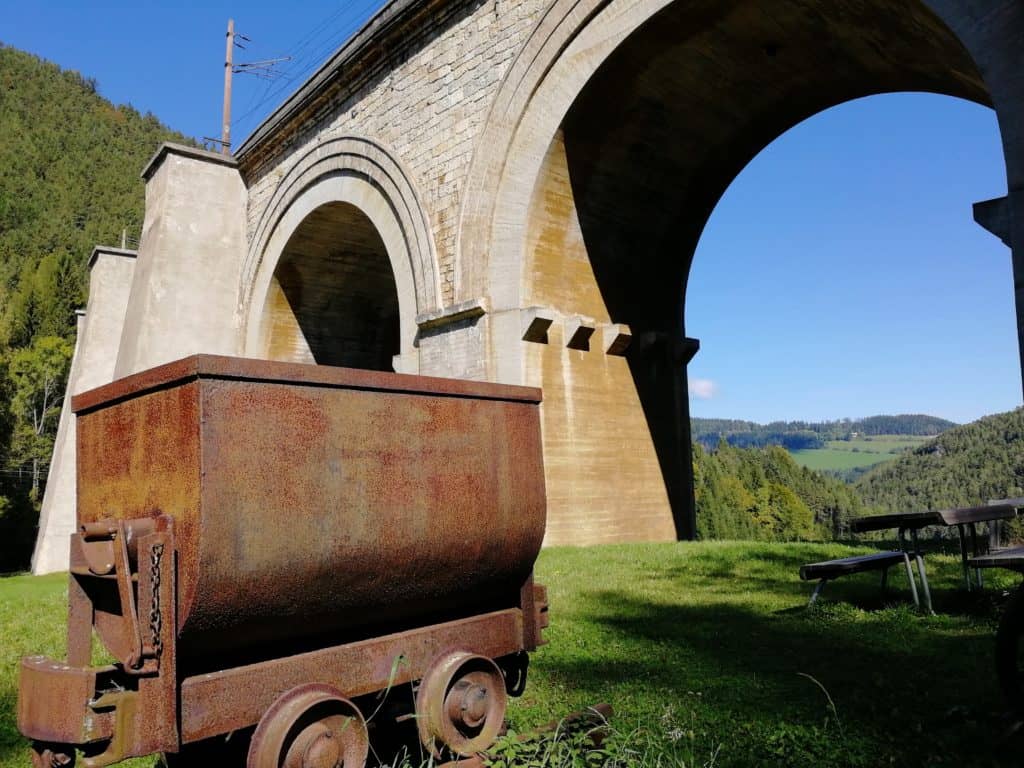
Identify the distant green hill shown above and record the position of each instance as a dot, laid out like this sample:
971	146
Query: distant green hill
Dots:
805	435
917	424
69	180
965	466
849	459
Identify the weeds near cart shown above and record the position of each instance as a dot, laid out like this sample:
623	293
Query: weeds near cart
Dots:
831	704
665	743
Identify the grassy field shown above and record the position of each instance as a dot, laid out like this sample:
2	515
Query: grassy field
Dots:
862	452
708	648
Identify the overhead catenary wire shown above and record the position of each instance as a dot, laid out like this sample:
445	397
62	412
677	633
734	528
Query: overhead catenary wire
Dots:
313	57
297	54
305	55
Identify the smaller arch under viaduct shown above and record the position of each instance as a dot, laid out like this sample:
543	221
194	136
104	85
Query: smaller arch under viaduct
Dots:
513	191
332	299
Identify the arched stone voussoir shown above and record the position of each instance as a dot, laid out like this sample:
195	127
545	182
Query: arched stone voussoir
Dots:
368	160
504	156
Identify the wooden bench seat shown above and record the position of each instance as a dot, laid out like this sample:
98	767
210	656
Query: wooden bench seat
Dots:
1011	559
877	561
830	569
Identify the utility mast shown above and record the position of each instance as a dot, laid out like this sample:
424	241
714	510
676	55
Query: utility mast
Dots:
263	69
229	57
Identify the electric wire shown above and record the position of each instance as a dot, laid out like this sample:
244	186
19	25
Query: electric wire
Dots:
307	54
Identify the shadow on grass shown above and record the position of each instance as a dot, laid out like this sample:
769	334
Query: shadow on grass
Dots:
908	690
761	572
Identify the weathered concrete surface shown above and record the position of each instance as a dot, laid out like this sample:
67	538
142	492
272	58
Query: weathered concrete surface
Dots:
538	174
599	457
184	293
99	334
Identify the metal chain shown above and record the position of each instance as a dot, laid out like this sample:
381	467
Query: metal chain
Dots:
155	618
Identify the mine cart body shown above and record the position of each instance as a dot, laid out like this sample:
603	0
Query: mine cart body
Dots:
249	527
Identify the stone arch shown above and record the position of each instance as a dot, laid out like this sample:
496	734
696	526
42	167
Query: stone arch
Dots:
574	38
628	119
358	174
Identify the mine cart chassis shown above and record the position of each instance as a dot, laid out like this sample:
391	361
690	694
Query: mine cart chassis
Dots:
123	582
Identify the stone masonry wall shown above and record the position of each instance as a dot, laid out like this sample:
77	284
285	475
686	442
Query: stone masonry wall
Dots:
428	110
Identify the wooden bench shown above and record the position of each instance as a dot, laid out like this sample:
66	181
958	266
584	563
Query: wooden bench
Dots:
877	561
1011	558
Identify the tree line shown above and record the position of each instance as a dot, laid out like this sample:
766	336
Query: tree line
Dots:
965	466
802	435
762	493
69	180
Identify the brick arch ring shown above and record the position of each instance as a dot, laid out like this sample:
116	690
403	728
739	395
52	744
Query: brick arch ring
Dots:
362	173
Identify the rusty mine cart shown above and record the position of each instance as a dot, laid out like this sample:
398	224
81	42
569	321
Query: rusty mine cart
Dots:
276	545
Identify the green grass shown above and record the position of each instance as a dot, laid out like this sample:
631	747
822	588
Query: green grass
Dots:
33	617
823	459
885	444
717	635
711	643
852	454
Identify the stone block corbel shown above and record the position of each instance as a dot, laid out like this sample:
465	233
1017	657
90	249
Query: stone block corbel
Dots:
615	339
578	331
994	217
536	322
685	350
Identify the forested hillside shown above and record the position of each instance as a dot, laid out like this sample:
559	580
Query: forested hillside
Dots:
962	467
917	424
803	435
761	493
69	179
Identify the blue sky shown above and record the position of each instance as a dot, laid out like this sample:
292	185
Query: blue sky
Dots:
840	275
168	57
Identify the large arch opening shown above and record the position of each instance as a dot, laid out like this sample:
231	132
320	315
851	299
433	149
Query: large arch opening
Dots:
850	244
332	299
629	177
841	276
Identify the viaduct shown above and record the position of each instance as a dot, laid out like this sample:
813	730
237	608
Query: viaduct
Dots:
512	190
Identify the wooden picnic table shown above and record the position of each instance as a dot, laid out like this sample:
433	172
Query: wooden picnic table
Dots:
964	518
902	520
1011	558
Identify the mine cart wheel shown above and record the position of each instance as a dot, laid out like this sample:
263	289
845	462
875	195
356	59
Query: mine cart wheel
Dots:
460	704
46	755
311	726
1010	652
